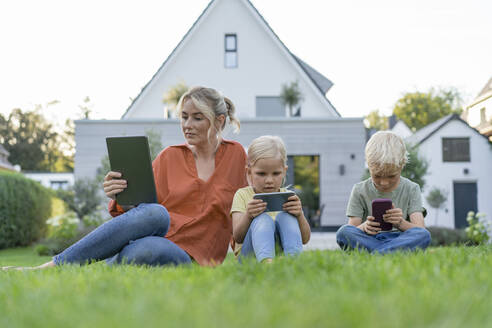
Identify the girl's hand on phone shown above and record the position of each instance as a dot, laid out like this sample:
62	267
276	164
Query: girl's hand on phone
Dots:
394	216
371	227
255	207
293	206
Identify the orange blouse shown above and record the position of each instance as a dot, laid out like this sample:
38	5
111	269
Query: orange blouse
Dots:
199	210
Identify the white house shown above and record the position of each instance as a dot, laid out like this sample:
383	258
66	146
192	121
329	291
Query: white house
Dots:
53	180
232	48
460	163
479	113
4	163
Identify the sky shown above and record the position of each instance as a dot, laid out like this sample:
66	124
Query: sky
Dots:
373	51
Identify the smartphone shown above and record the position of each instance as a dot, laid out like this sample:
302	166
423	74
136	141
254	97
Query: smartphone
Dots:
274	200
379	207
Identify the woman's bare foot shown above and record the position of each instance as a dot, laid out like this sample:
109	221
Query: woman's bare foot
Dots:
19	268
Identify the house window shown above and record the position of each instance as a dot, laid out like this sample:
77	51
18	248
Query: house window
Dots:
455	149
230	45
269	106
57	185
303	176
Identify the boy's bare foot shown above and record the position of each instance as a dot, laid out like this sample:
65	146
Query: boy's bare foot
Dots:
267	260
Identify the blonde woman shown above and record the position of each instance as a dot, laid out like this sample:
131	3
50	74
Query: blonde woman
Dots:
195	184
386	155
257	230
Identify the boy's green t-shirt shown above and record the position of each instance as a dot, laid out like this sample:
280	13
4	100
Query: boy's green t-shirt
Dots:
406	196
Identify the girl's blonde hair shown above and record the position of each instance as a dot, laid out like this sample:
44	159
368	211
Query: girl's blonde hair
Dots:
212	104
266	147
385	151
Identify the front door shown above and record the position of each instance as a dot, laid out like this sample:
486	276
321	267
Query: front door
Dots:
465	200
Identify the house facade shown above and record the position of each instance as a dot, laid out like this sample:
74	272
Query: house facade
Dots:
479	113
459	160
4	162
231	48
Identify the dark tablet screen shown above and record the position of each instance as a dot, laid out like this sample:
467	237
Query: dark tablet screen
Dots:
131	157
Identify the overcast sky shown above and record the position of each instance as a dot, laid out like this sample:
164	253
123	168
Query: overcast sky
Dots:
373	51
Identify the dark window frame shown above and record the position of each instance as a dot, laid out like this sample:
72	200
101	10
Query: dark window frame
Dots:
456	149
234	50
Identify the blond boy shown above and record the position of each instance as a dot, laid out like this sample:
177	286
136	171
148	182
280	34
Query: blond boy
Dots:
386	156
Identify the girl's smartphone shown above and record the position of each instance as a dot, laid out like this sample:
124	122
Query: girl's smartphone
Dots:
274	200
379	207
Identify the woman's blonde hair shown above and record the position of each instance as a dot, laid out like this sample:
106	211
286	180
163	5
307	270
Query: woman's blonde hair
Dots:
266	147
212	104
386	151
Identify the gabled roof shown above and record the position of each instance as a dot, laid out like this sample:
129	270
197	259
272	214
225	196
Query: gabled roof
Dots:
320	82
319	79
486	89
427	131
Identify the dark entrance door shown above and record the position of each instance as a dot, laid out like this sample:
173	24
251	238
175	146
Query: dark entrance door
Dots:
465	200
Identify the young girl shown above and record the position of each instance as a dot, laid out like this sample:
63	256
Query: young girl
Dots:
258	230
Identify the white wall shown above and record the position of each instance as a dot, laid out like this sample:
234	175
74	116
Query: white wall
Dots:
51	180
263	65
443	174
474	115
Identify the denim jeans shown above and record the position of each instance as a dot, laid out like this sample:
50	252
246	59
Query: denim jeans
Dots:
351	237
137	237
264	232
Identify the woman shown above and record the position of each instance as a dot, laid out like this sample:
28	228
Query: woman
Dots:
195	184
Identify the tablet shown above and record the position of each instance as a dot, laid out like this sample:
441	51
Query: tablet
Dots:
274	200
131	157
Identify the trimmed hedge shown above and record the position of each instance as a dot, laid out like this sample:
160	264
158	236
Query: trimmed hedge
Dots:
25	206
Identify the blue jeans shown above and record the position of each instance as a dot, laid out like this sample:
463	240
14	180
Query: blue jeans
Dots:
351	237
264	232
136	236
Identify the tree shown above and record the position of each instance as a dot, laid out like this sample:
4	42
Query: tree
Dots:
32	142
83	197
376	120
418	109
291	95
86	108
436	198
174	94
415	170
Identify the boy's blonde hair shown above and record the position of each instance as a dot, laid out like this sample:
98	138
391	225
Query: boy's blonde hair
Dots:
212	104
386	151
266	147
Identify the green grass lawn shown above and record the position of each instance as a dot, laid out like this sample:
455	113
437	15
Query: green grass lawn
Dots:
444	287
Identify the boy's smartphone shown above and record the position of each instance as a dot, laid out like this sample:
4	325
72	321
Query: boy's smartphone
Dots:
379	207
274	200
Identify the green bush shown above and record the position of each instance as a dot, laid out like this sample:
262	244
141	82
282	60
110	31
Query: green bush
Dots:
478	227
448	237
66	230
25	206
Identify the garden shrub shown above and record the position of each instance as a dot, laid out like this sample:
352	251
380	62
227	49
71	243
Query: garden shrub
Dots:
66	230
25	206
478	227
447	237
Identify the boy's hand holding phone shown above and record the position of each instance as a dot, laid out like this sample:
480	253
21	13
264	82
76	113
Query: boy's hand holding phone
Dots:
394	216
255	207
293	206
371	226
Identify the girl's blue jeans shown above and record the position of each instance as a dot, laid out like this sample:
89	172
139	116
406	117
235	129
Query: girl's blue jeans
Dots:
351	237
136	237
264	232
